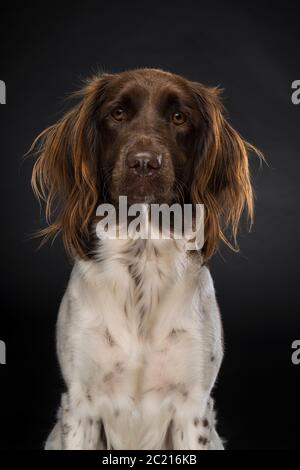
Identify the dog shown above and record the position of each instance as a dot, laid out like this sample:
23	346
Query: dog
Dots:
139	334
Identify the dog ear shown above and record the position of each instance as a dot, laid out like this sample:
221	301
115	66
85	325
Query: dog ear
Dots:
65	174
221	172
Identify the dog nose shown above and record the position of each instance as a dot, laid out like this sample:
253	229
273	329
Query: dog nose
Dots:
143	163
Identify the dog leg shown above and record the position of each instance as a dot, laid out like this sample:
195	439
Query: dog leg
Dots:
78	430
54	441
193	429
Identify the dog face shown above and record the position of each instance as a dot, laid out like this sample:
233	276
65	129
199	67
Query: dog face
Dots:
149	135
148	123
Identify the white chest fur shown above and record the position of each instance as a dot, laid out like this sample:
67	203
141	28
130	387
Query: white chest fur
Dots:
139	336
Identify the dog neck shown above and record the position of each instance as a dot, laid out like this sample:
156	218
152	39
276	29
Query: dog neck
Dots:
140	275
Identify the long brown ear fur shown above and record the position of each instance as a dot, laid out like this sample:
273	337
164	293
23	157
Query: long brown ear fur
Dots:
222	179
65	175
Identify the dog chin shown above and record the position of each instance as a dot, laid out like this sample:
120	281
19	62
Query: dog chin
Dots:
142	199
149	198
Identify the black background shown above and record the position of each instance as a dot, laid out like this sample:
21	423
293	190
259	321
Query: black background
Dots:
252	50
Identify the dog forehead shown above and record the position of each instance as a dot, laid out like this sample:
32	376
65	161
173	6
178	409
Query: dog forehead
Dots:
145	83
148	77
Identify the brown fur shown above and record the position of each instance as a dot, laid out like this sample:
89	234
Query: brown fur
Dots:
75	163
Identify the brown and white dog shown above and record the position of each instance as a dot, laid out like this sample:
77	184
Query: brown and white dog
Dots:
139	335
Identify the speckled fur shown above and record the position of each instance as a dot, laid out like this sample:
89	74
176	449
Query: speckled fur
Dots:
139	343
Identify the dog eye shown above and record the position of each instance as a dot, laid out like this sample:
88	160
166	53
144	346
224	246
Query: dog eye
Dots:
118	114
178	118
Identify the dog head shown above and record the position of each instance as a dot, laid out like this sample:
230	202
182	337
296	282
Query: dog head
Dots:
152	136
